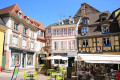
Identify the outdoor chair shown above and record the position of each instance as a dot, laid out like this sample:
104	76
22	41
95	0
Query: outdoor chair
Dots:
35	75
25	75
52	76
60	77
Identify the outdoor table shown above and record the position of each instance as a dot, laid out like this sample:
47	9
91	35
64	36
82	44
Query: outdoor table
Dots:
49	71
56	74
31	73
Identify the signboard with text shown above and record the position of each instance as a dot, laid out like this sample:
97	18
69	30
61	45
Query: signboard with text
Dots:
15	73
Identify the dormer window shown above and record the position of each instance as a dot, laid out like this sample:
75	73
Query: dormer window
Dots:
105	28
103	18
85	21
84	31
27	20
60	22
19	13
71	22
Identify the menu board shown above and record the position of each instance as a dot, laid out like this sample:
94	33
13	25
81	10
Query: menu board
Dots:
15	73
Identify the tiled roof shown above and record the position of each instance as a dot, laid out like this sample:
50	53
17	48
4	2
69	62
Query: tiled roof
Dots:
13	10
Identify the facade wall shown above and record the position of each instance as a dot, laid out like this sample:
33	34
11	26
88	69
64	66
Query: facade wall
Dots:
1	45
30	37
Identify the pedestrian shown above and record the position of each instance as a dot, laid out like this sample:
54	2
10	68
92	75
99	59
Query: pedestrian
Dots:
118	75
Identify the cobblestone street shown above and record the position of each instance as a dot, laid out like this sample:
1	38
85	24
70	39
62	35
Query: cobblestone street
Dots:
8	76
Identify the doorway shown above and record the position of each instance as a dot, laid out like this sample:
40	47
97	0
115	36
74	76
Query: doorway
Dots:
24	61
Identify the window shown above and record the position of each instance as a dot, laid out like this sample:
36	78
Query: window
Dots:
27	20
71	22
63	45
56	61
39	32
84	31
16	26
105	29
41	44
55	45
71	44
56	32
32	34
29	59
16	58
71	31
85	21
85	43
106	42
15	40
19	14
63	31
103	18
24	43
31	45
49	30
24	30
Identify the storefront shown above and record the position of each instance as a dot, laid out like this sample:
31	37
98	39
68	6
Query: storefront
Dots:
25	59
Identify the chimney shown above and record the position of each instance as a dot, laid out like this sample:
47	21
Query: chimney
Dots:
83	9
70	17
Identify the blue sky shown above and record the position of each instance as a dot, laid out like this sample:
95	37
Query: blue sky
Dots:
48	11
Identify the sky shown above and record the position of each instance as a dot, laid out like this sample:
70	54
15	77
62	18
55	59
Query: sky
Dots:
48	11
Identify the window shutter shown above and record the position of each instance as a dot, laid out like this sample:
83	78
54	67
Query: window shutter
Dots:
21	28
28	44
90	42
11	36
34	46
12	24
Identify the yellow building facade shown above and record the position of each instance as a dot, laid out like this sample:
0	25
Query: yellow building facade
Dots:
2	32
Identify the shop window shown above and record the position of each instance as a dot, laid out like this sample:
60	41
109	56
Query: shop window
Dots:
63	31
105	29
56	61
15	59
29	59
85	43
84	31
62	61
71	31
15	40
106	42
85	21
16	26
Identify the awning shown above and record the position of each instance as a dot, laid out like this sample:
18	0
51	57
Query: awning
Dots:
71	54
100	58
55	57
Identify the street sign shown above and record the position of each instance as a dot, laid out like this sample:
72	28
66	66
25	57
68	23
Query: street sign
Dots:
14	76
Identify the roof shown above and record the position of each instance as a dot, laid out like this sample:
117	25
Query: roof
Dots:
94	18
66	22
88	9
13	9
